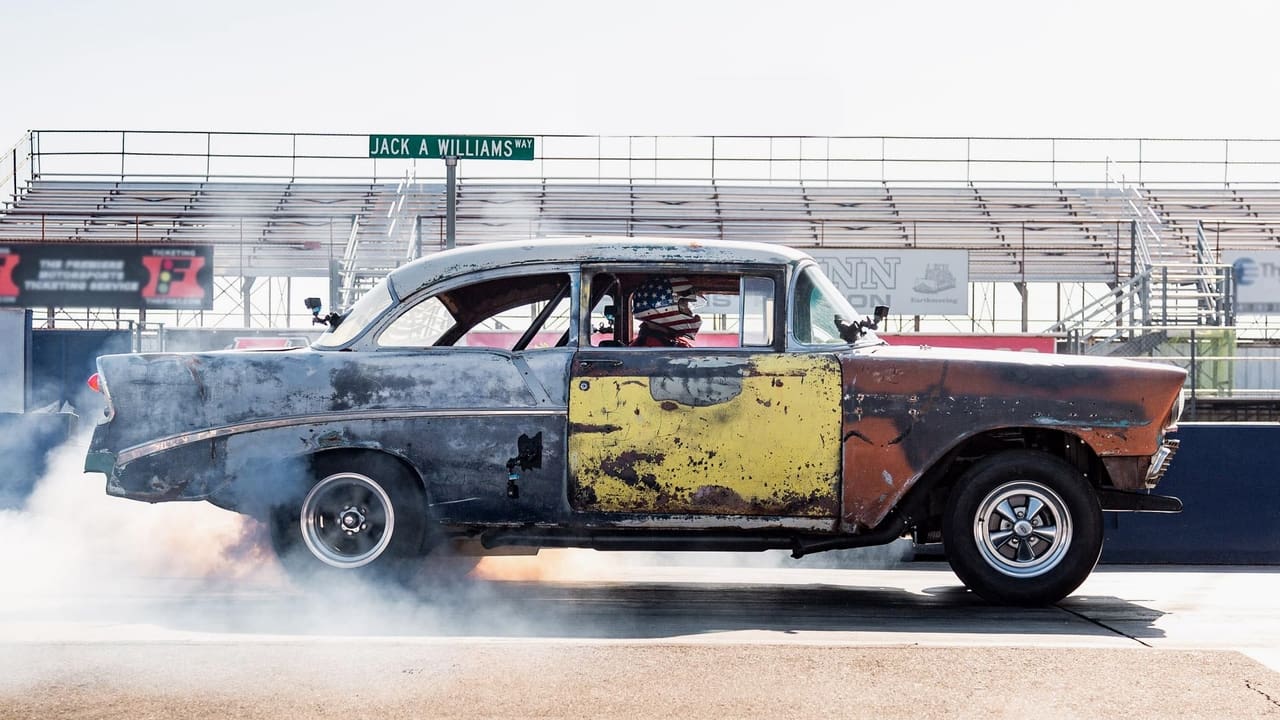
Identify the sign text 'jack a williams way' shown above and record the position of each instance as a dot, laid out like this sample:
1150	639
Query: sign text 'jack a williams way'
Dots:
470	147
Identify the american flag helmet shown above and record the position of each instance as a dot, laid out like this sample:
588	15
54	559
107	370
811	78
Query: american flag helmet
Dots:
657	301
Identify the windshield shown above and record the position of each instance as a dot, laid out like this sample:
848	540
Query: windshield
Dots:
362	313
816	306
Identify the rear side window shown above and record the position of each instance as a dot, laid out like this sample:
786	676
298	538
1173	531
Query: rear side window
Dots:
511	313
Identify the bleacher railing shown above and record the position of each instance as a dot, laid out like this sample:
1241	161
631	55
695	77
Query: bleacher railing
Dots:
141	155
13	166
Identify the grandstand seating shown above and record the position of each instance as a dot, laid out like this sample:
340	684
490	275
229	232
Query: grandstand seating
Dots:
1037	233
274	229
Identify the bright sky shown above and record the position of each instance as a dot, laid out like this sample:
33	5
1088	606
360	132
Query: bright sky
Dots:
1092	68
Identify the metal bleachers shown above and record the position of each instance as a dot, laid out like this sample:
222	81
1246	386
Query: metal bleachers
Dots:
1035	233
272	228
1029	234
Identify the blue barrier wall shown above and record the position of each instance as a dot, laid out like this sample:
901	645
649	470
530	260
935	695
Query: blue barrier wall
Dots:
1226	476
62	360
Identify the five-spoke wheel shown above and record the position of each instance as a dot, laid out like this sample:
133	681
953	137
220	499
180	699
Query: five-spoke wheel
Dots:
1023	527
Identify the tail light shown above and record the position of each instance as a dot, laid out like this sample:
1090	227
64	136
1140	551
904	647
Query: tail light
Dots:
95	382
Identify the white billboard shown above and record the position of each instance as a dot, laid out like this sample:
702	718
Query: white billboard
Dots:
910	282
1257	279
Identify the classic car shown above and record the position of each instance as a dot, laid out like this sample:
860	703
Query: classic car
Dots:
510	395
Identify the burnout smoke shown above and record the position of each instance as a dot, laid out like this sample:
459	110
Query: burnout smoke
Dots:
71	539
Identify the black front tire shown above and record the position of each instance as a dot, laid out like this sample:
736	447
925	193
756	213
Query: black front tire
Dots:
1022	528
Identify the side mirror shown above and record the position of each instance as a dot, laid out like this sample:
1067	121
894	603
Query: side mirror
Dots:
850	332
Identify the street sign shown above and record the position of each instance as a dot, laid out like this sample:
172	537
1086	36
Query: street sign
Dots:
470	147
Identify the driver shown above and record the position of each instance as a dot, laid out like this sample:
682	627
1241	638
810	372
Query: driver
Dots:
661	304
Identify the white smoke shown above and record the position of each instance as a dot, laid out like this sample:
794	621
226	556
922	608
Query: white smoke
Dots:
72	540
74	551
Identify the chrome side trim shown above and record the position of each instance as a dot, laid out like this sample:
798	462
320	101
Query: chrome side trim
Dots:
173	441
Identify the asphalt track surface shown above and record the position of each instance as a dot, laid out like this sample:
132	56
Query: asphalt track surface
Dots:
593	635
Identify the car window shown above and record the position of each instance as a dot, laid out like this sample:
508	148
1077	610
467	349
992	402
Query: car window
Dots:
421	326
682	310
606	331
816	307
512	313
505	329
757	311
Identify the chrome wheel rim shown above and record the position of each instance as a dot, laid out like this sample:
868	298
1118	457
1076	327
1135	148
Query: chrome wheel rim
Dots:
1022	529
347	520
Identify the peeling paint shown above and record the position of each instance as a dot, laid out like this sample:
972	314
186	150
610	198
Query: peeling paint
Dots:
696	391
719	453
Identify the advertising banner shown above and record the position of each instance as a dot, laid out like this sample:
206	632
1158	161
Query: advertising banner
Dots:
910	282
1257	280
142	277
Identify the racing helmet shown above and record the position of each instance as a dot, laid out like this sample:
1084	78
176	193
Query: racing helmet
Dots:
664	302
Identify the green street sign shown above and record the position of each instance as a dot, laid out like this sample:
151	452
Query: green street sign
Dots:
470	147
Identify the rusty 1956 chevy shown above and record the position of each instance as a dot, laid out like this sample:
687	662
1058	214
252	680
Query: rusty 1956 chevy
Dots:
642	394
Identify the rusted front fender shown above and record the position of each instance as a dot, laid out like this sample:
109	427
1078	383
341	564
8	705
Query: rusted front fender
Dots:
905	408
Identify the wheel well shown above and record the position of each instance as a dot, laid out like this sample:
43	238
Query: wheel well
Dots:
936	485
355	455
278	481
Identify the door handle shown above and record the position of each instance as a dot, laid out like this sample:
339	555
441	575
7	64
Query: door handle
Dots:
584	364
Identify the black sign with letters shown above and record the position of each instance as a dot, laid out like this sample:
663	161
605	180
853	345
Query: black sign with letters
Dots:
146	277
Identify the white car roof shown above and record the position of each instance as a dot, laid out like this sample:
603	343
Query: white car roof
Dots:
449	263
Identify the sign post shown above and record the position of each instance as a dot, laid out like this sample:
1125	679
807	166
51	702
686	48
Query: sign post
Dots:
451	148
450	208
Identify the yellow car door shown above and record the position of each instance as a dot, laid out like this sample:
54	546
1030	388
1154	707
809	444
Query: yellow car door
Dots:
705	432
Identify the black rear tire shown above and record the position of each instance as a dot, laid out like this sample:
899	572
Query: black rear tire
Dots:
359	516
1022	528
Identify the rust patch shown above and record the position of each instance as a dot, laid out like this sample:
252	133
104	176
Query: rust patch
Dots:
356	386
666	405
329	439
593	428
585	496
623	467
721	498
192	364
